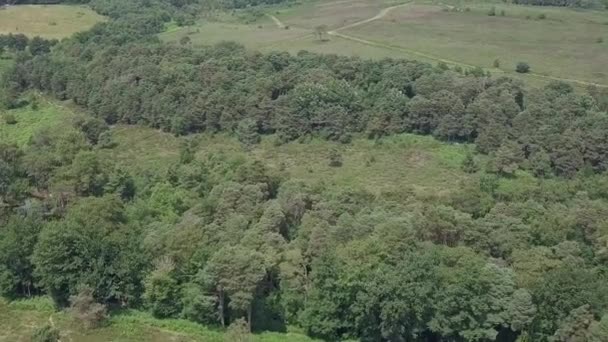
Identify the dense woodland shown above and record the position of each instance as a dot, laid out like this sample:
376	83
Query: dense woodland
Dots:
223	238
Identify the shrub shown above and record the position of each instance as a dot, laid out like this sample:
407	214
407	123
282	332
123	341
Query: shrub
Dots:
335	158
10	119
469	165
85	310
522	67
492	11
46	333
443	66
503	13
185	40
496	63
34	102
542	16
238	331
106	140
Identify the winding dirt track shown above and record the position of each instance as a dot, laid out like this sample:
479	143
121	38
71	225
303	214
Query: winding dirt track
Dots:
378	16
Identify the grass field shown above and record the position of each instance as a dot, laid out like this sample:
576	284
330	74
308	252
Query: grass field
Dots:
19	319
49	21
567	44
48	115
423	163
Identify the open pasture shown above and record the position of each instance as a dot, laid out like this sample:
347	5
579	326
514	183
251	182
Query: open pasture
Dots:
48	21
558	43
566	43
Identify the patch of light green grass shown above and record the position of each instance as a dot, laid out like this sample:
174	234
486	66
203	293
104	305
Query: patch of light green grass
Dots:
30	121
390	164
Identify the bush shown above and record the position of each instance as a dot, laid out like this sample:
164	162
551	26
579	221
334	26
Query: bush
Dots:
335	158
10	119
469	165
85	310
492	11
45	333
106	140
542	16
496	63
238	331
522	67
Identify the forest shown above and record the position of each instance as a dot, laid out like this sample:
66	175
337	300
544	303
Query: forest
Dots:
224	241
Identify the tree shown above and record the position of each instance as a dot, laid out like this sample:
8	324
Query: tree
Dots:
521	310
575	327
473	299
161	294
508	158
17	241
247	132
237	273
89	176
93	247
92	128
39	46
540	163
522	67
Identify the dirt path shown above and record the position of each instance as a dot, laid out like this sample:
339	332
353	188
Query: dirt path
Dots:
378	16
276	21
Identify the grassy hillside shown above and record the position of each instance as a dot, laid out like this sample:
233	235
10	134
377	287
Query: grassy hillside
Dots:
56	21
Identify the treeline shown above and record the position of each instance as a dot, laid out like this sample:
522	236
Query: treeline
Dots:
183	90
